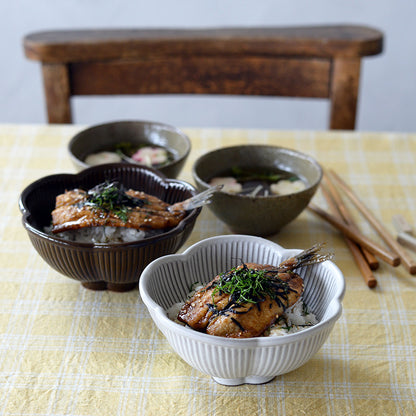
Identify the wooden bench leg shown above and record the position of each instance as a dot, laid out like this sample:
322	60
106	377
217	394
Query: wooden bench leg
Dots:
57	93
344	93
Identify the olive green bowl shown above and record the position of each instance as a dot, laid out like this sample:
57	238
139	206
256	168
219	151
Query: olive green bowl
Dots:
257	215
106	136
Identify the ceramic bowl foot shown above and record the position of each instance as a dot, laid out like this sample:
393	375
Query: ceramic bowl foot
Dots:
95	285
242	380
114	287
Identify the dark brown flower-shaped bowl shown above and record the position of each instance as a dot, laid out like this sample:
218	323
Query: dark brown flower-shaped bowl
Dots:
112	266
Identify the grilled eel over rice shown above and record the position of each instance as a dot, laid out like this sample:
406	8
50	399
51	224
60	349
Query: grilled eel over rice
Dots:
109	204
245	301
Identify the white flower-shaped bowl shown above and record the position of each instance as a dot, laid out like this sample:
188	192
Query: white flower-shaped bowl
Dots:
167	281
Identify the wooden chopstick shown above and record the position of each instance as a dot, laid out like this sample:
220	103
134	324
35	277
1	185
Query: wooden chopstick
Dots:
347	217
407	240
405	234
401	225
405	258
391	258
356	252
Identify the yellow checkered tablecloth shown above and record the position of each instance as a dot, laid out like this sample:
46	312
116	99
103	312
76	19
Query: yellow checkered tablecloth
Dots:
65	350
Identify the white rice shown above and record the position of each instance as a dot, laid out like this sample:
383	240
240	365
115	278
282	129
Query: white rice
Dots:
103	235
294	319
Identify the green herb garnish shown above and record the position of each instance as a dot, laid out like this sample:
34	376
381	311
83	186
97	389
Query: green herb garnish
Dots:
247	175
305	310
245	285
112	197
126	148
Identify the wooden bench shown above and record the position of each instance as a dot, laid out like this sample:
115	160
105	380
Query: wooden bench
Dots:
314	61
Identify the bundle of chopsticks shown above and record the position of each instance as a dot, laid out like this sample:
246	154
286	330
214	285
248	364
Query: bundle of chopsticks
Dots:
366	252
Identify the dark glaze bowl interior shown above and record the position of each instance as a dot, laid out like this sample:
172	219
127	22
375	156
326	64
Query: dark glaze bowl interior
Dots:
113	266
105	136
258	215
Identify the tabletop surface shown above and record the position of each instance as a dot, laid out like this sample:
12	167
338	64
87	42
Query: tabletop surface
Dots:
66	350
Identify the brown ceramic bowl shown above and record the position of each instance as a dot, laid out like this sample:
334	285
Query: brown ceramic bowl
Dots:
257	215
113	266
105	136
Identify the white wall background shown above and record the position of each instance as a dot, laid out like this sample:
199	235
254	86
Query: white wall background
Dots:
388	84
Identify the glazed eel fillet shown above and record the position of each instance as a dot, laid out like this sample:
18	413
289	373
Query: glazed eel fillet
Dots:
233	306
109	204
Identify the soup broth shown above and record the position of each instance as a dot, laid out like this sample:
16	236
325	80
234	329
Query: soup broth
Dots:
146	154
163	157
257	181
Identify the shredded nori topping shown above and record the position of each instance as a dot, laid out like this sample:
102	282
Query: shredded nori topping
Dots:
246	285
112	197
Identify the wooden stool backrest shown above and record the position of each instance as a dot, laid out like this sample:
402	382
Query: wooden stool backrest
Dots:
314	61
